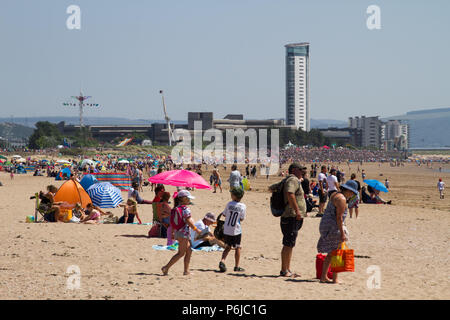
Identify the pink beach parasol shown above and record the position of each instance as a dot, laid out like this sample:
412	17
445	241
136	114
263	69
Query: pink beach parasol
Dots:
326	147
180	178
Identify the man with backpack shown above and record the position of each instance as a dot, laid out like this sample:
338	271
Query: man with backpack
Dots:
291	220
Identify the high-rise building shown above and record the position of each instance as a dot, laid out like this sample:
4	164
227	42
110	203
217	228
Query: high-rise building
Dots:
297	85
371	130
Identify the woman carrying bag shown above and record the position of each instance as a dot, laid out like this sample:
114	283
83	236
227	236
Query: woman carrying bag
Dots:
332	230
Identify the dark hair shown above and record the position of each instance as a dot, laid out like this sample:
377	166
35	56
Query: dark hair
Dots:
158	189
353	176
165	196
233	167
323	167
51	188
176	202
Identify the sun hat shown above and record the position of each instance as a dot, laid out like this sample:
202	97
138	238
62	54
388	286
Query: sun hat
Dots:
296	165
184	193
210	216
351	185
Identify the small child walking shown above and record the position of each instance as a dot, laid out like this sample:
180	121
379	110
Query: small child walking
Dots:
180	221
234	214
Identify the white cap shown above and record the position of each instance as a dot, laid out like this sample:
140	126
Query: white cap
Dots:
184	193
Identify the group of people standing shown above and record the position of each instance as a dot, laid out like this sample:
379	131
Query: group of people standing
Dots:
332	225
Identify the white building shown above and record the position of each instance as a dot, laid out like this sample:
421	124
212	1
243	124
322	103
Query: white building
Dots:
297	85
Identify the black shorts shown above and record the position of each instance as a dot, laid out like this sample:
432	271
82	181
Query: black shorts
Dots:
290	228
330	193
322	197
232	241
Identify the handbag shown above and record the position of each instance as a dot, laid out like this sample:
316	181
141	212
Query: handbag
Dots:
319	267
218	231
155	231
343	259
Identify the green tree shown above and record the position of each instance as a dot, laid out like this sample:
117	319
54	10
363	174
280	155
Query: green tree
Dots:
46	135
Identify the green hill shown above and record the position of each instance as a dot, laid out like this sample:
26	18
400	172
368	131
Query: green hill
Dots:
14	131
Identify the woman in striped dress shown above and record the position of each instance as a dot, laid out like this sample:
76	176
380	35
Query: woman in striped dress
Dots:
331	228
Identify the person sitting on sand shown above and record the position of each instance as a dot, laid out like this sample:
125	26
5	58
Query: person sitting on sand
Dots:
51	208
93	214
134	194
164	210
129	212
332	229
206	237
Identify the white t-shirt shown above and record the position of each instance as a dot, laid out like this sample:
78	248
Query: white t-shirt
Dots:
322	176
202	227
441	185
234	213
331	179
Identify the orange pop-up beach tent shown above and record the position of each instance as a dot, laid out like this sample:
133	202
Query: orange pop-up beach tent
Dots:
72	192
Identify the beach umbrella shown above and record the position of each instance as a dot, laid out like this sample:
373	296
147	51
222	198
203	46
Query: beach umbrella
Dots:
87	181
180	178
3	157
326	147
21	160
377	185
63	162
123	161
105	195
87	162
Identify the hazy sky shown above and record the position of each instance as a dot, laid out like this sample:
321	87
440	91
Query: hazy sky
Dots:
224	56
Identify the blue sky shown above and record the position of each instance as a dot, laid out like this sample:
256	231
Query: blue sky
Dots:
224	56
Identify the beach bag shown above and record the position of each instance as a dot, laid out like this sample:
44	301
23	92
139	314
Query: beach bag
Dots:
176	218
343	259
320	258
218	231
155	231
277	204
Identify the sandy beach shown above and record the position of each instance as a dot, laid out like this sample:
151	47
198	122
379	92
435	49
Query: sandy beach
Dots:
407	241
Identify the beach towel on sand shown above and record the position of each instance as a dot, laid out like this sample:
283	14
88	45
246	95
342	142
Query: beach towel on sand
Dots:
175	247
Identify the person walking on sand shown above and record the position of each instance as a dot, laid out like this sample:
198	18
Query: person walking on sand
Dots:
235	178
180	221
440	187
332	229
291	220
322	180
234	214
354	205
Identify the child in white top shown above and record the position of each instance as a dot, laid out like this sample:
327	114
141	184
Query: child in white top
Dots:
234	214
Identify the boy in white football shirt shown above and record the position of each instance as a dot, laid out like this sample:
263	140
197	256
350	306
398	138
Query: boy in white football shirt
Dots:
234	214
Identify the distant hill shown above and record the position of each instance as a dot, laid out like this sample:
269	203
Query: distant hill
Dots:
15	131
427	128
87	120
327	123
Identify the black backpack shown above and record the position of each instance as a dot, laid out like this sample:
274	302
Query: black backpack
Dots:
218	231
277	203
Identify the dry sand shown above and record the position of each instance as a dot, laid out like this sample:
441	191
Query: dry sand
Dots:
408	241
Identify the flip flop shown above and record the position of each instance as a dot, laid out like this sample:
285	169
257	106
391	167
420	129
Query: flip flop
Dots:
238	269
222	267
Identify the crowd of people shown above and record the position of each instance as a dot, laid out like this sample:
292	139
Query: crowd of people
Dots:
340	154
337	196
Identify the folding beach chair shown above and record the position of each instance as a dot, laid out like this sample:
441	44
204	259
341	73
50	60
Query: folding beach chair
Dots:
38	211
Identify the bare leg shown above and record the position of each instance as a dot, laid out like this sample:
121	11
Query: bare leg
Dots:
356	212
326	265
237	256
187	259
286	255
182	247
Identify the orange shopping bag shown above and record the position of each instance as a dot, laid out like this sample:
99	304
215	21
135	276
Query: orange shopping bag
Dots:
343	259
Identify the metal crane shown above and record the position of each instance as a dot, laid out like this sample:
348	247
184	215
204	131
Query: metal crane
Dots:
169	129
